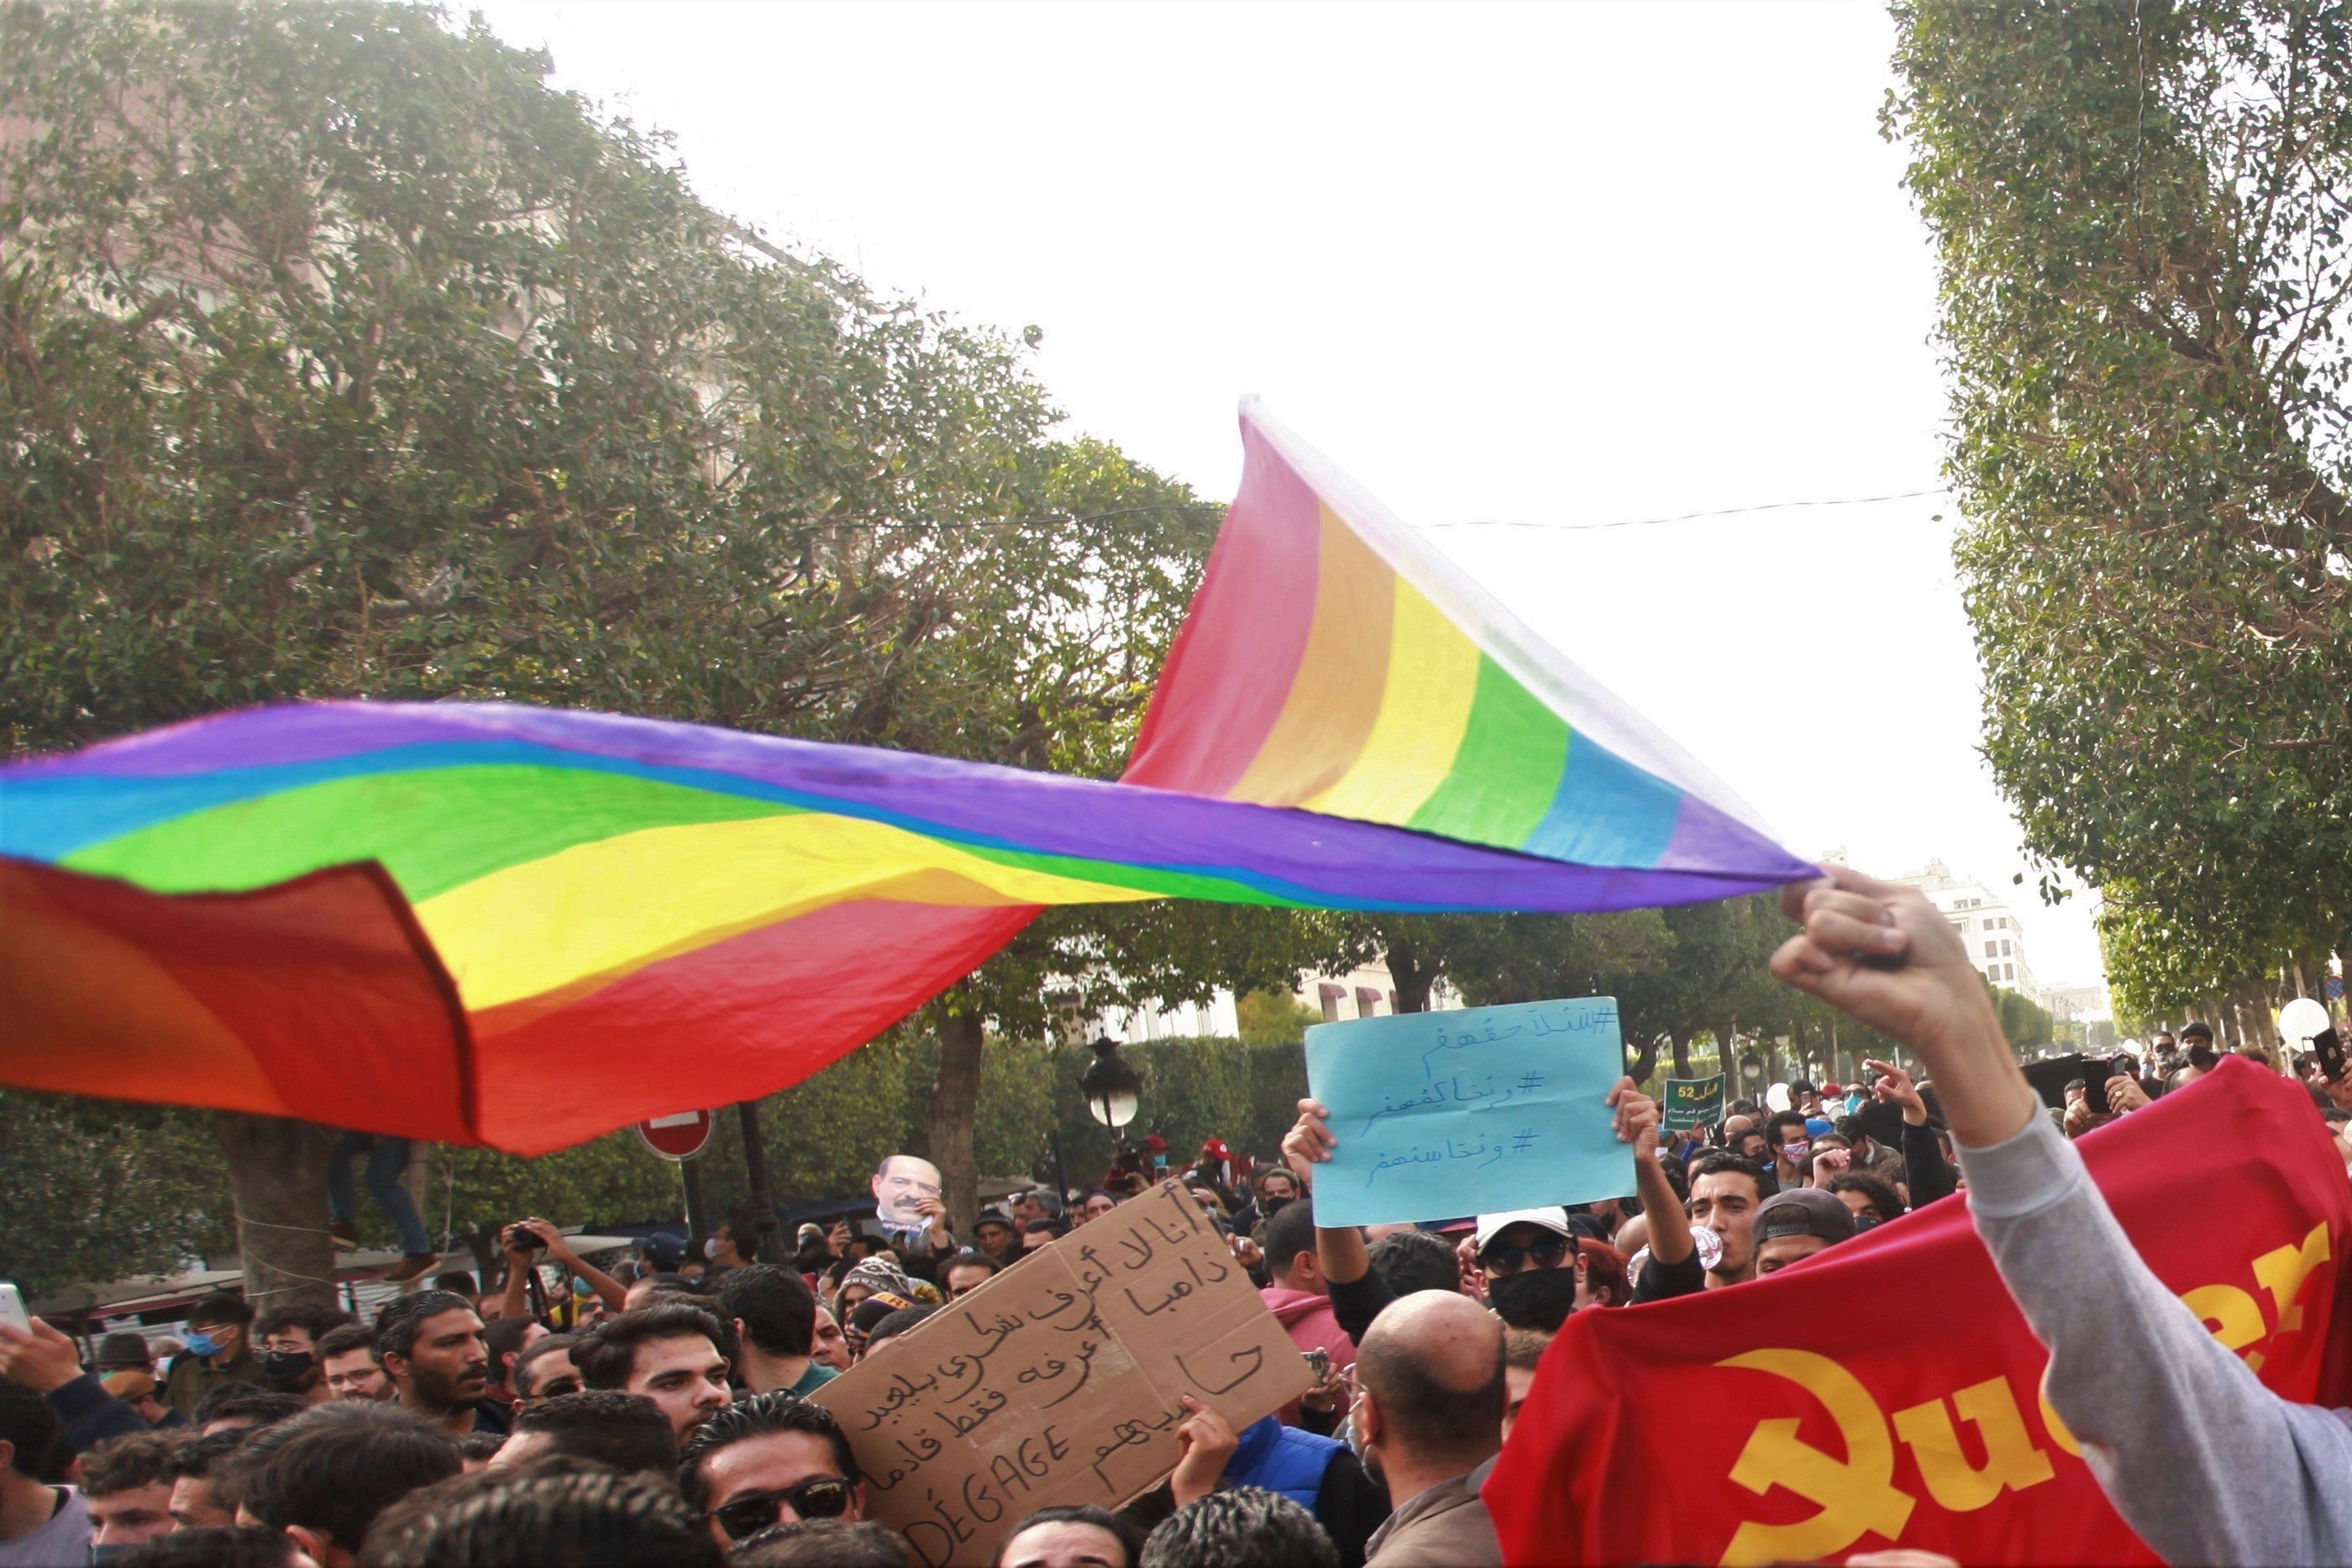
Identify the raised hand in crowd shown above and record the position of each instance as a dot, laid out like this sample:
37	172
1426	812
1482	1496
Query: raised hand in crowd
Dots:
521	1259
1205	1442
1831	1163
1883	954
2126	1094
2079	1117
1330	1383
1894	1087
1636	1122
43	1359
1341	1253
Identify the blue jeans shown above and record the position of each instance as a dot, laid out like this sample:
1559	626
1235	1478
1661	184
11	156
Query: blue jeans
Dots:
387	1162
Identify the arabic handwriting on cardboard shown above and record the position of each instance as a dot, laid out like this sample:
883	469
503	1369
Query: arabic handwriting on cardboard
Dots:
1058	1381
1475	1111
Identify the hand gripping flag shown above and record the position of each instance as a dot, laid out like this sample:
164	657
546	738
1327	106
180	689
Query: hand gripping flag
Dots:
494	925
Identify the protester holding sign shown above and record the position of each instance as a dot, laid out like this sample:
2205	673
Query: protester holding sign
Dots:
1060	1382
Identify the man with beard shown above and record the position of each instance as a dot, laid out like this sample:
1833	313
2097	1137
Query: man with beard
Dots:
347	1364
289	1337
431	1346
1430	1397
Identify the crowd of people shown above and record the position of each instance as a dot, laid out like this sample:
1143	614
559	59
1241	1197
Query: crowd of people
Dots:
660	1412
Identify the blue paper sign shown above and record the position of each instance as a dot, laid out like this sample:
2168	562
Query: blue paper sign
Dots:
1441	1114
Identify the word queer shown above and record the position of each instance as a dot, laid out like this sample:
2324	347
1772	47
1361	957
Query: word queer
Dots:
1857	1495
1057	1382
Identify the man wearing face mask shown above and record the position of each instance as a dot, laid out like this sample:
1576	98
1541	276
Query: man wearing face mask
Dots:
1793	1148
289	1337
218	1353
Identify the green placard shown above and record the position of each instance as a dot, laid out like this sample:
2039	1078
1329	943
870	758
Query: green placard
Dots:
1692	1103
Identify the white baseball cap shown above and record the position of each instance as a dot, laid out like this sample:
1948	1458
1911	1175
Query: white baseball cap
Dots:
1553	1219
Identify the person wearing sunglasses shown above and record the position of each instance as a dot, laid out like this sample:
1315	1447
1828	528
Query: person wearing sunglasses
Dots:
769	1460
544	1371
1524	1239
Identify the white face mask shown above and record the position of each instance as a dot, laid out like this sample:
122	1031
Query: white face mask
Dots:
711	1249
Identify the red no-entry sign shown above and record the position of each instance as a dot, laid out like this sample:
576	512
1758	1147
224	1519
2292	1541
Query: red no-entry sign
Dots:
677	1137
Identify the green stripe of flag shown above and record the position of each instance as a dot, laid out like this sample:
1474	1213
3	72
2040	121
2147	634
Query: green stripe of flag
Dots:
1507	769
433	829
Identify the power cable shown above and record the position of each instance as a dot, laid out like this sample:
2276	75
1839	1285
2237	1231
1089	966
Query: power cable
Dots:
1066	518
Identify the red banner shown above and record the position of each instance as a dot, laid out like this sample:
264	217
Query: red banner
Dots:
1887	1392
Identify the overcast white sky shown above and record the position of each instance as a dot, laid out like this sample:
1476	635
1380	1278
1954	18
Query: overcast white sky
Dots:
1565	265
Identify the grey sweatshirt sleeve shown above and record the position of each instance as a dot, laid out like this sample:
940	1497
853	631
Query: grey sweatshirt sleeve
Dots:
2199	1457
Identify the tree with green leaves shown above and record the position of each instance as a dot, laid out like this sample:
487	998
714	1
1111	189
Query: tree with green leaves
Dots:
345	358
2140	218
98	1191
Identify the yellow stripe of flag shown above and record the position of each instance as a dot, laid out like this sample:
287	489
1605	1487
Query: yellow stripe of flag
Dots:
604	908
1432	678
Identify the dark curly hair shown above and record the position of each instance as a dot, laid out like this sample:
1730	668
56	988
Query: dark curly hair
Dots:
571	1511
780	1411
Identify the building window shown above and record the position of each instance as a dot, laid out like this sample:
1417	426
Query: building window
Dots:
1992	949
2004	949
1330	996
2008	971
1368	1002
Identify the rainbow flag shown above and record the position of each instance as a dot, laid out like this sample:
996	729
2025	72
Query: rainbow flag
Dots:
520	928
1334	662
485	923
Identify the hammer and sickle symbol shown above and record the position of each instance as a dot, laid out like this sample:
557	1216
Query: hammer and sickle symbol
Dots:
1854	1495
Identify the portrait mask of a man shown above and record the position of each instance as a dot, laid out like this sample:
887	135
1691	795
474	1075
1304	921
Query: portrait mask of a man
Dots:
900	1187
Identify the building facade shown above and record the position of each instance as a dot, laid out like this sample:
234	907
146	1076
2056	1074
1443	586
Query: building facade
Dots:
1987	923
1364	992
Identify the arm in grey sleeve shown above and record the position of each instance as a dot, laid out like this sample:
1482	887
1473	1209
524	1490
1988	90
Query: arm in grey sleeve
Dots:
2198	1457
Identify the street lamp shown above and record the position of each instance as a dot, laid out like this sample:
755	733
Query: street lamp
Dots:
1109	1085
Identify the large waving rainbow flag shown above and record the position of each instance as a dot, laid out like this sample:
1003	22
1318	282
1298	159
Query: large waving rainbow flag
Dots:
492	925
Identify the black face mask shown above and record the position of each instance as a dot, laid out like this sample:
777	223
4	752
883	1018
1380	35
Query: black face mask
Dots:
1538	1299
1271	1204
285	1369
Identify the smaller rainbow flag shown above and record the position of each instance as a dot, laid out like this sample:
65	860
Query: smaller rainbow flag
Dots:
1333	661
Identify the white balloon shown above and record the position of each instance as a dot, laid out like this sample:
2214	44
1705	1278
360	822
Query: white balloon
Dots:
2301	1018
1777	1097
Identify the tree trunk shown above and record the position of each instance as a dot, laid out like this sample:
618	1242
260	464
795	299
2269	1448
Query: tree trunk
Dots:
1682	1055
955	1104
278	1181
1412	981
769	1245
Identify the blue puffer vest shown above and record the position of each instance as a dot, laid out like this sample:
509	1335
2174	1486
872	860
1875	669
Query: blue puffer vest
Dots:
1278	1458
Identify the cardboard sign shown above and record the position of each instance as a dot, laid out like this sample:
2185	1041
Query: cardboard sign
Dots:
1691	1103
1056	1382
1439	1114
